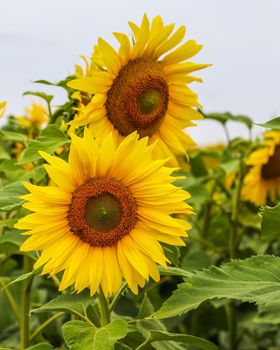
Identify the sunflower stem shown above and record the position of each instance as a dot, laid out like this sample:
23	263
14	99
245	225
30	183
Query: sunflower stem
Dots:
25	304
117	298
104	308
227	133
44	325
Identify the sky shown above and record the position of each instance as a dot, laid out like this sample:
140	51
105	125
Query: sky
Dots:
44	39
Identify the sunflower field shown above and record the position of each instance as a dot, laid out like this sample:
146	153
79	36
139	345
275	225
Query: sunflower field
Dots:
116	230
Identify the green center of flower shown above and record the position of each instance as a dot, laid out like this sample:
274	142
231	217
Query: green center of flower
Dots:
103	213
149	101
271	169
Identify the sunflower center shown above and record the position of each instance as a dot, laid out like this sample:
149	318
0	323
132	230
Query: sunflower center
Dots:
138	98
271	169
102	212
149	101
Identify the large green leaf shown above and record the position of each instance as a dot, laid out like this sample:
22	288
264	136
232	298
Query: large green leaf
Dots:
67	302
9	196
41	346
156	336
256	279
270	225
80	335
49	141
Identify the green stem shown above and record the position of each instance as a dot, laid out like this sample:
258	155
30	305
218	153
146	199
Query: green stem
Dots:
11	300
232	326
44	325
207	216
117	298
226	132
25	304
50	112
146	342
234	214
104	308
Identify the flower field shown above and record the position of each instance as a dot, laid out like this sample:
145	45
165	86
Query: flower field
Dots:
118	231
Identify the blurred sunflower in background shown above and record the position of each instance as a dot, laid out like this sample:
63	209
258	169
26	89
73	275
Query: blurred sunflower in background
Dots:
35	116
143	87
262	183
3	105
106	215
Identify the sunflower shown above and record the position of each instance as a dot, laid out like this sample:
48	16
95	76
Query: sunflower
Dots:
3	105
36	116
106	215
143	87
262	183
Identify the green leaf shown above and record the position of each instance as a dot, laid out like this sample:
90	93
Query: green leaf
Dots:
47	98
49	141
41	346
10	242
242	119
9	196
219	117
80	335
173	271
270	225
67	302
256	279
12	136
156	336
269	314
20	278
272	124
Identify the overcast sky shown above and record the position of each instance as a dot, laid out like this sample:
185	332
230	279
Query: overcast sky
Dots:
43	40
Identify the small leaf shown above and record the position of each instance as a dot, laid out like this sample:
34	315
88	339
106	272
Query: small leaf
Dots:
272	124
270	225
80	335
47	98
173	271
256	279
10	242
67	302
40	346
49	141
9	196
201	343
219	117
242	119
20	278
12	136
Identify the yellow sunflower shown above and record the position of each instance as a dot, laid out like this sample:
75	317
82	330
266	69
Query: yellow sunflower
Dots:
3	105
106	215
143	87
36	115
262	183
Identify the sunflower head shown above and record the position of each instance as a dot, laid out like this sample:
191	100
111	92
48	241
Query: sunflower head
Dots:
262	183
143	87
34	116
103	218
3	105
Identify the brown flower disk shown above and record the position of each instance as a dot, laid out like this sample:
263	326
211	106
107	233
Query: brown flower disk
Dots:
102	212
271	169
138	98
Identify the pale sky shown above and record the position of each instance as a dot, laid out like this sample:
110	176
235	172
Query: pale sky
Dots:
43	40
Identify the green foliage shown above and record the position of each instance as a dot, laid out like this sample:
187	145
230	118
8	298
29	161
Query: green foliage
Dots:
254	280
270	225
80	335
272	124
9	196
49	141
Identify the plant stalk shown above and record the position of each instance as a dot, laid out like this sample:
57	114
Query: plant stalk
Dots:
104	308
25	304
